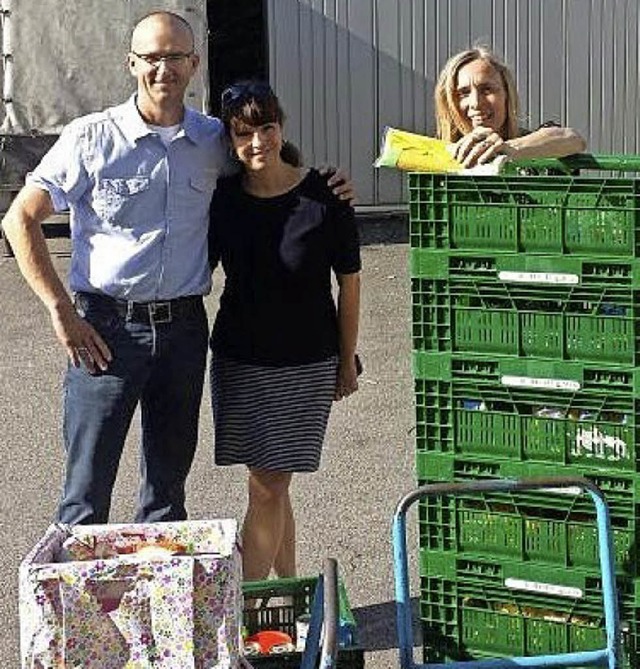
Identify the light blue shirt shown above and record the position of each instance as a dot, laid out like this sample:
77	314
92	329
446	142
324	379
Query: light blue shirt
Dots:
139	210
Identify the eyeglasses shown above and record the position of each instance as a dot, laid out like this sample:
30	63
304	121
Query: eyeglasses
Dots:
245	90
154	59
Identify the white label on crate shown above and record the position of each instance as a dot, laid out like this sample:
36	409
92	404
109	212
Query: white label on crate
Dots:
533	382
302	631
539	277
546	588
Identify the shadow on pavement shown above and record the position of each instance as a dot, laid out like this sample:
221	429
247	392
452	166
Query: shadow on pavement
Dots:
376	625
391	228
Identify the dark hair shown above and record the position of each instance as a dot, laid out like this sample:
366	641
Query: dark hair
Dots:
254	103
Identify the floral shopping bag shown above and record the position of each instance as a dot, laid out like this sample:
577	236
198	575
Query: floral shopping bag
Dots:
133	612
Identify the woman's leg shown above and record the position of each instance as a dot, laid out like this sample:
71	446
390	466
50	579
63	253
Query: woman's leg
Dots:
264	525
285	562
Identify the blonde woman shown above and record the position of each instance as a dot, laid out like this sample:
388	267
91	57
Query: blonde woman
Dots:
477	111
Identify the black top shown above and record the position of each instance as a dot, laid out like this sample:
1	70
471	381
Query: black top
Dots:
277	254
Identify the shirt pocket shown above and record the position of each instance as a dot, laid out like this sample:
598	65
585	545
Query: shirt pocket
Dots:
114	197
198	191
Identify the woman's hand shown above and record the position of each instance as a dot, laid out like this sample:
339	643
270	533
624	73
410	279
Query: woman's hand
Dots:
480	146
347	380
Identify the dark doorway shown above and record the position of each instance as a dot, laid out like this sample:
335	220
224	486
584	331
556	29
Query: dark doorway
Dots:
237	44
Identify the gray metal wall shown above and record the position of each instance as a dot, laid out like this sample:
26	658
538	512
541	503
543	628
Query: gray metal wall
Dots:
346	68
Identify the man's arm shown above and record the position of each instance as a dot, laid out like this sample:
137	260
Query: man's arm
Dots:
22	225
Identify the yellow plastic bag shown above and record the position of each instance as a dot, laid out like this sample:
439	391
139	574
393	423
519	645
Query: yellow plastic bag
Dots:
419	153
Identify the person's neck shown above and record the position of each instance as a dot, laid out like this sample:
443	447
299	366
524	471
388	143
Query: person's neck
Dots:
160	115
275	180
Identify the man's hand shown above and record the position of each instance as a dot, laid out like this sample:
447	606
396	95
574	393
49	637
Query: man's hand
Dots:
340	183
80	340
22	225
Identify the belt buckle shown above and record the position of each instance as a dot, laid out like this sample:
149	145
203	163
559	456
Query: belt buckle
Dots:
160	312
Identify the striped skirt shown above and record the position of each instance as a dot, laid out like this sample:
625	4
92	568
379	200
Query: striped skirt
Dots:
271	418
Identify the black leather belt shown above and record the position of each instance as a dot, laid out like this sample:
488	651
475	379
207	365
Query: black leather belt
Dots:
162	311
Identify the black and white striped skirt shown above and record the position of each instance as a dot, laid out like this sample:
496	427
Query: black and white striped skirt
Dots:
271	418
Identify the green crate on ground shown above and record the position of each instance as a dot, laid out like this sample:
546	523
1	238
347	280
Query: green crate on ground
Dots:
529	306
581	415
276	605
539	530
473	609
583	215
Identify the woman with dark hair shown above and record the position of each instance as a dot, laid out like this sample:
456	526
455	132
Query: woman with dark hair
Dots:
281	349
477	111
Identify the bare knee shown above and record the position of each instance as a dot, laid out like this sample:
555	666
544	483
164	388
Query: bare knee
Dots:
267	487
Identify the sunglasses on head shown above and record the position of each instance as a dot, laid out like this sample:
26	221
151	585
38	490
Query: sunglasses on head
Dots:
245	90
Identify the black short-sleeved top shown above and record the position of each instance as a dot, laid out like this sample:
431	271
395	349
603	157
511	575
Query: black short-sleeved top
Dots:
278	253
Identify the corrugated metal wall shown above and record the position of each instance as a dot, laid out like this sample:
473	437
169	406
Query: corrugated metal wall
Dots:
346	68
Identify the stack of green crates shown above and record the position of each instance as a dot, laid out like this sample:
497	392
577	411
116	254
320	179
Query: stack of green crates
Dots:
526	337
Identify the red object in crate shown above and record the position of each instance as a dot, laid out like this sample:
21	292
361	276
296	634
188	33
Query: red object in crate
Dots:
270	641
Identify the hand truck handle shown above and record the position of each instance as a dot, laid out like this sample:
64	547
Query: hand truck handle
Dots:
329	657
324	621
607	657
498	485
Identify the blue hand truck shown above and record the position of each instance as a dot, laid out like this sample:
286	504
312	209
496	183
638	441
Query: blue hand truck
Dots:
322	637
606	657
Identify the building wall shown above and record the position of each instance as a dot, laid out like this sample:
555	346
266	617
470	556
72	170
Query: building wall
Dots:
346	68
64	59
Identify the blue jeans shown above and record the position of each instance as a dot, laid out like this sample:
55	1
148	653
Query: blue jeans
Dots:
161	365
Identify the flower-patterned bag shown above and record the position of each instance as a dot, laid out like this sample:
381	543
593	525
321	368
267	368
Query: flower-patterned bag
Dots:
129	611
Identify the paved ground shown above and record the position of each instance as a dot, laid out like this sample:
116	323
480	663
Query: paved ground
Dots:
342	511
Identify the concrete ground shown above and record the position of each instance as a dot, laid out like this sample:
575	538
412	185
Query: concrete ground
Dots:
343	511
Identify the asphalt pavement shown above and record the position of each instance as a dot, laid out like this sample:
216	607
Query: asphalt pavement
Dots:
343	511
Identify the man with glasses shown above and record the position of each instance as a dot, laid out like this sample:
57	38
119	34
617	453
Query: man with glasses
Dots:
137	179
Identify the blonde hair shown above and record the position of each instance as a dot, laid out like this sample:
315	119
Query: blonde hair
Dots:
450	123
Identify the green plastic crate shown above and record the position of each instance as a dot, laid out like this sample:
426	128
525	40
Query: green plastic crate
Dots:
481	632
533	526
542	532
529	306
528	411
621	491
583	215
280	602
473	609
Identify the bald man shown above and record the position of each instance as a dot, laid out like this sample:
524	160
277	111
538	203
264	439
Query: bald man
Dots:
137	180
